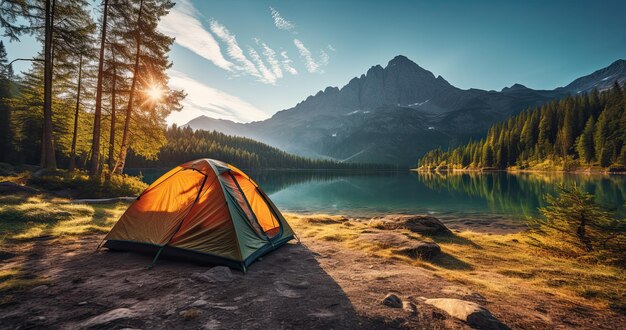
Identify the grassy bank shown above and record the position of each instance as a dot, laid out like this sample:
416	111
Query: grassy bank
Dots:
76	184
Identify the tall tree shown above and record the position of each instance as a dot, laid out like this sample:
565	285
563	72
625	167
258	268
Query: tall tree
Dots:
95	141
111	161
119	166
150	99
72	164
48	158
6	75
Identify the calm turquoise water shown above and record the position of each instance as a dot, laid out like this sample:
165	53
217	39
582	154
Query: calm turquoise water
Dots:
514	196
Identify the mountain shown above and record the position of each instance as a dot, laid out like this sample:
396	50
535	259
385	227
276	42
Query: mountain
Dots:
602	79
395	114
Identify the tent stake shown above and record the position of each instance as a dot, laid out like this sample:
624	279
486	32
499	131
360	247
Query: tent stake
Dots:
156	257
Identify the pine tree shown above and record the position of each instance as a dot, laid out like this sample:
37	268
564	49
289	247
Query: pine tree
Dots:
584	145
600	135
145	110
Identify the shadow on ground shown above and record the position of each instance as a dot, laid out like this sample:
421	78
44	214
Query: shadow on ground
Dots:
286	289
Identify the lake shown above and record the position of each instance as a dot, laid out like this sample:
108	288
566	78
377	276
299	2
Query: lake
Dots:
513	196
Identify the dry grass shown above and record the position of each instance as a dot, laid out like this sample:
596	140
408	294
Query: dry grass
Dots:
493	264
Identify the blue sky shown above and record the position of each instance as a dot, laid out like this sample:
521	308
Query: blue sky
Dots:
245	60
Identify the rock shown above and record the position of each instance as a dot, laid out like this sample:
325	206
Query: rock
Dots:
39	289
212	324
108	317
409	307
215	274
199	303
291	289
469	312
392	301
223	306
422	250
422	224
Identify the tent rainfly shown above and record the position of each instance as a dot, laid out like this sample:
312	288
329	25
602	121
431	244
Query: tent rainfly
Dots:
206	211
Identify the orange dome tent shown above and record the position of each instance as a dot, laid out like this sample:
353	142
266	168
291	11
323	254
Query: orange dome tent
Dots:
204	210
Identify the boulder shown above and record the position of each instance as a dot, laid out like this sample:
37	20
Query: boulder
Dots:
470	312
392	301
421	250
422	224
214	275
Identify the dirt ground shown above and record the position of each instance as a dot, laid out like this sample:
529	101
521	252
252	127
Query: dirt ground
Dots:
316	284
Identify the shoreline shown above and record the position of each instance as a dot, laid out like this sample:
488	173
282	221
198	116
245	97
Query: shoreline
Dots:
513	171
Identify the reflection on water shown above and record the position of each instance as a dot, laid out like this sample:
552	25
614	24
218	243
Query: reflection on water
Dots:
512	195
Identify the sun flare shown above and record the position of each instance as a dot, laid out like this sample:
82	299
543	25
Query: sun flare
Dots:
154	93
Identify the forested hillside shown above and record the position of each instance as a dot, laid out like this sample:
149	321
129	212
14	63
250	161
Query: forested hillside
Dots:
185	144
588	130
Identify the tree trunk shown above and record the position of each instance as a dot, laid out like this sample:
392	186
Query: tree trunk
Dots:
581	232
121	160
75	133
112	131
48	159
95	141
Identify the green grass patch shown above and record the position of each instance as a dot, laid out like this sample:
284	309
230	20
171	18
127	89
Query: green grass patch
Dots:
27	217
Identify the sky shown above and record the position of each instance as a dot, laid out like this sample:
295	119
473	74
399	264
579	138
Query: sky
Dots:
246	60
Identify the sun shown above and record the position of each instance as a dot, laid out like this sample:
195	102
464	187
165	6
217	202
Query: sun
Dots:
154	93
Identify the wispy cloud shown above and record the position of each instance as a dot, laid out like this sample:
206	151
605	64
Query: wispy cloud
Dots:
266	74
286	61
270	57
232	48
204	100
280	22
182	23
312	65
324	58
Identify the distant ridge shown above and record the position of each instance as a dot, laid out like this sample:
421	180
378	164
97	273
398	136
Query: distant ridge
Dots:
394	114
